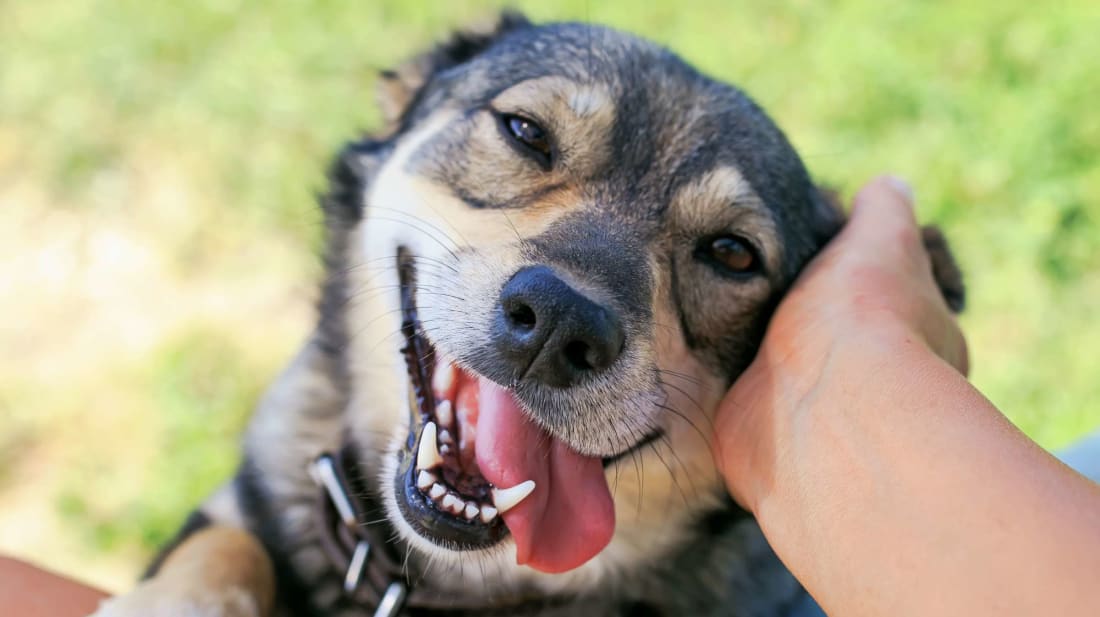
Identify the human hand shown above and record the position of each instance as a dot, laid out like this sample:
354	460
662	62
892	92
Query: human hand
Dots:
869	296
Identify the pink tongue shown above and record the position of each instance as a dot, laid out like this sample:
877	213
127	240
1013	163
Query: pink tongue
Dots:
569	517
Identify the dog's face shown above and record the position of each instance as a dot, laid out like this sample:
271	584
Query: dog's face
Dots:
569	247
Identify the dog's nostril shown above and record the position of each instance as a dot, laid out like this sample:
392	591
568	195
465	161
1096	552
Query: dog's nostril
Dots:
522	316
580	355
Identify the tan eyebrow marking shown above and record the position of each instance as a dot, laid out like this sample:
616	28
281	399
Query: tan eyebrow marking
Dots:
588	101
723	184
723	198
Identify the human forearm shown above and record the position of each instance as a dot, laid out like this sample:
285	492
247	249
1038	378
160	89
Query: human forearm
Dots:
932	493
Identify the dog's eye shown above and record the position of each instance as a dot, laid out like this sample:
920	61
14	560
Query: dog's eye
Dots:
729	253
528	133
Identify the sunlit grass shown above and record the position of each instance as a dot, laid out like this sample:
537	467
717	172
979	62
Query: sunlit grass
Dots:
159	163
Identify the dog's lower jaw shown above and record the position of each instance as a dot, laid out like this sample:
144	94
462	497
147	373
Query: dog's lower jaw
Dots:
633	551
423	555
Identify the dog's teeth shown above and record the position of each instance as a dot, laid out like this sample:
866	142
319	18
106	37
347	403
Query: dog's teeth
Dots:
445	437
444	449
437	491
427	455
458	507
425	480
506	498
488	513
452	503
444	378
470	512
445	413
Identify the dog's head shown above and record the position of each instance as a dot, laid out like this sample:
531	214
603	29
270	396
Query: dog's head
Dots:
556	262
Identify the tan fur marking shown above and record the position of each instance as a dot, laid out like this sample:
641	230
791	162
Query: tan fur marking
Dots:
395	91
724	198
220	557
219	571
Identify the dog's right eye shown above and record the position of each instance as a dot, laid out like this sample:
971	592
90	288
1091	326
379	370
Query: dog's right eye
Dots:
528	134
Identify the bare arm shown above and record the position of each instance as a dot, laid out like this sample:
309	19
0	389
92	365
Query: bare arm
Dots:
882	478
28	591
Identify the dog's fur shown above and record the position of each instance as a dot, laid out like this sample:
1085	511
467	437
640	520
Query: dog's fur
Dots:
649	158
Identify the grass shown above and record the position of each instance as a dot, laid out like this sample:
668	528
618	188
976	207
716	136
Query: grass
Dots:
158	163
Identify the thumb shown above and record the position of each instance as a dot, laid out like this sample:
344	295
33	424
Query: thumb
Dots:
882	220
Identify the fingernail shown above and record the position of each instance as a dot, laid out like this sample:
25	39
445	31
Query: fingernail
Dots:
901	187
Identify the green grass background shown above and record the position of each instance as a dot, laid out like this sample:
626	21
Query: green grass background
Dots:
158	163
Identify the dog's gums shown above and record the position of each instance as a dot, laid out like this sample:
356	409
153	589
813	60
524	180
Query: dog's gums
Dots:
446	461
449	450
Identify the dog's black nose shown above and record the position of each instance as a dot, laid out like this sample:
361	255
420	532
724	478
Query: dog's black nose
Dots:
551	333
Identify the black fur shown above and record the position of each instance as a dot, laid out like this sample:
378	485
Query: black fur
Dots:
195	521
462	47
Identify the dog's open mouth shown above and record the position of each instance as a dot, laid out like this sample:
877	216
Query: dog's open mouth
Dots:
440	489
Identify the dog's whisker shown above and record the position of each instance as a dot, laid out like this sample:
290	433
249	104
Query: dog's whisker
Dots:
413	225
420	219
353	337
369	282
695	381
376	269
382	340
519	239
441	216
679	464
698	408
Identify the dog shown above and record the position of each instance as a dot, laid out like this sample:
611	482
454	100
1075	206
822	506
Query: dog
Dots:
541	279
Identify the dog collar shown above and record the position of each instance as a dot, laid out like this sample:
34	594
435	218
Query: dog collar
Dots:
369	574
359	542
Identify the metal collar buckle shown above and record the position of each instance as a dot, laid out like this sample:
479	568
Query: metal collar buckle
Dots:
324	473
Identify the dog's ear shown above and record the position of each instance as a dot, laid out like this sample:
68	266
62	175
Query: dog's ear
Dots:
829	217
399	88
944	268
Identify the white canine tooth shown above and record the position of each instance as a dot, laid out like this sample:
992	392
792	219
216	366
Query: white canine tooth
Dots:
445	413
488	513
506	498
437	491
427	455
470	512
445	437
444	377
424	480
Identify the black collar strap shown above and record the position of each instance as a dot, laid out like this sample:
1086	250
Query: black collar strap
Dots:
371	575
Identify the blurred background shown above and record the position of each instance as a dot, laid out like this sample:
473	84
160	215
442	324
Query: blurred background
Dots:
158	233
